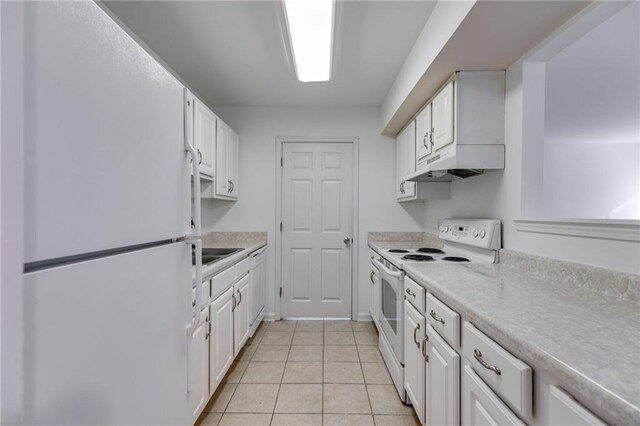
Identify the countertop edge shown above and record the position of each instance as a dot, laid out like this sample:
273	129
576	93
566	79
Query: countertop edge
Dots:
209	270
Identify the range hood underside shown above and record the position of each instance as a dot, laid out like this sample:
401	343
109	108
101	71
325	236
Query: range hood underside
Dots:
470	160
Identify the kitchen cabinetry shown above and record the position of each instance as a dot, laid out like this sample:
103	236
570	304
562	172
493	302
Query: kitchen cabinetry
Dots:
423	133
374	294
221	342
198	365
257	288
480	406
241	312
564	410
442	117
443	382
227	156
414	362
205	138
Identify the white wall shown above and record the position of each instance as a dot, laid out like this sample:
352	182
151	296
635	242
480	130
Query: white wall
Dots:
255	210
498	195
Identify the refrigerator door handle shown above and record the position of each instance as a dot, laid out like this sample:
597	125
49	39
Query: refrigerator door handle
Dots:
188	146
194	321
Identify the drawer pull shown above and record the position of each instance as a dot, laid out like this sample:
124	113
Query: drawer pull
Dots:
410	293
371	278
478	356
415	339
435	317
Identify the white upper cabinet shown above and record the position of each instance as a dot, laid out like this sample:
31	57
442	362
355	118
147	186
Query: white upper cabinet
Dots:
423	134
227	156
442	117
205	138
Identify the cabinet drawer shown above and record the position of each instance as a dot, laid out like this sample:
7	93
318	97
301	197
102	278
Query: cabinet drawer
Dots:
504	373
242	268
444	320
564	410
222	281
414	293
372	254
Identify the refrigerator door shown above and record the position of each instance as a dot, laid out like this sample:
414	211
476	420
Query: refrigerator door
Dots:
106	340
106	165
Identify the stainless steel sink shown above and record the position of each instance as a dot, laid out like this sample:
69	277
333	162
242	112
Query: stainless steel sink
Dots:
212	255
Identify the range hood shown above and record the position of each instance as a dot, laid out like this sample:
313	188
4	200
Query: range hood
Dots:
460	162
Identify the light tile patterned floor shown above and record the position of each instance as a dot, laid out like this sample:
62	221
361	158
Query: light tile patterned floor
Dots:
309	373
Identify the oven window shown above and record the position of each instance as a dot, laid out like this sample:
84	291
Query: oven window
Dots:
390	305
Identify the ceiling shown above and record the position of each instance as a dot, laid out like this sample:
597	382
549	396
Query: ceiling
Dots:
232	53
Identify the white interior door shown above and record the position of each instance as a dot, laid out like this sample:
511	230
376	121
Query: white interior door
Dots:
317	202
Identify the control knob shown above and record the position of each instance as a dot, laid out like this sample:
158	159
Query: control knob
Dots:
483	233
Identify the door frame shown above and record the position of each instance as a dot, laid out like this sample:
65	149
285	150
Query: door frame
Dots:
354	141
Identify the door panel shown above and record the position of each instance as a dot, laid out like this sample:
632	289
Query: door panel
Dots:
443	385
205	137
104	137
221	349
199	366
423	134
317	197
242	313
414	363
443	117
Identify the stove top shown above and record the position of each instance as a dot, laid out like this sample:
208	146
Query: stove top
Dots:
398	251
418	258
455	259
430	250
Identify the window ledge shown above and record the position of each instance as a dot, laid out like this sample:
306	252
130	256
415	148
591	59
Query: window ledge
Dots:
608	229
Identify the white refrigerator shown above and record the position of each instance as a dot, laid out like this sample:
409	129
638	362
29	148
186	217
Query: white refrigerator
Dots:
110	224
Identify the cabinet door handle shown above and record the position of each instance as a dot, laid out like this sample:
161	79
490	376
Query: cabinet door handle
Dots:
478	356
239	297
415	338
199	157
371	278
431	136
435	317
409	292
233	307
228	185
208	325
425	139
424	347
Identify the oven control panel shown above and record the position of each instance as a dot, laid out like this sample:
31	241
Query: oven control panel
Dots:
483	233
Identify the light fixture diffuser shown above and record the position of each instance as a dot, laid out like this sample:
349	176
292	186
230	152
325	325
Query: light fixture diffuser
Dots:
310	26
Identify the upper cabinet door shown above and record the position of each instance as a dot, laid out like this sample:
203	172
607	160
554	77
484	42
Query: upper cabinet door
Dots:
410	159
442	117
205	138
227	151
234	156
423	134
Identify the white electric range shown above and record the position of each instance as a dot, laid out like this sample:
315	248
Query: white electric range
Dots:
465	241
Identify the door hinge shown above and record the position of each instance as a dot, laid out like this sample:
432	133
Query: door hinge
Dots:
281	161
280	291
280	226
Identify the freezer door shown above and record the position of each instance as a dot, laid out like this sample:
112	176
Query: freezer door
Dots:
106	342
104	137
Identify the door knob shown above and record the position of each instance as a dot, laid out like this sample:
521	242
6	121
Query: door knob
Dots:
347	241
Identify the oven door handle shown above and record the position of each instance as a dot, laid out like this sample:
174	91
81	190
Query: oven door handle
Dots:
385	270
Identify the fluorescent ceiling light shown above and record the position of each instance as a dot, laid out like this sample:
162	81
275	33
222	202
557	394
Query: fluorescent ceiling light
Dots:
310	25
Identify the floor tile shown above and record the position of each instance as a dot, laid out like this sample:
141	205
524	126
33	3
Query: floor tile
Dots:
220	399
252	419
303	372
341	353
271	353
297	420
337	326
308	338
246	353
366	339
310	326
386	420
369	354
376	373
348	419
343	372
284	325
345	399
207	419
277	338
299	398
235	372
338	338
263	372
384	400
363	326
306	353
253	398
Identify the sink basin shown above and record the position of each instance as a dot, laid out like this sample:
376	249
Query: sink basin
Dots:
212	255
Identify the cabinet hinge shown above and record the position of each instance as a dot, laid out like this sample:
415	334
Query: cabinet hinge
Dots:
280	226
280	291
281	161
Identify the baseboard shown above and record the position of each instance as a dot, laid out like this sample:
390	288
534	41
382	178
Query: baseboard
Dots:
364	317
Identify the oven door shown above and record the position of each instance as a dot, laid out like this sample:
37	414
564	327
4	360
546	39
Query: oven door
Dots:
392	308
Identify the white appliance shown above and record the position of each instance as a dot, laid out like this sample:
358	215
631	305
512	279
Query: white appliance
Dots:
466	241
108	236
258	277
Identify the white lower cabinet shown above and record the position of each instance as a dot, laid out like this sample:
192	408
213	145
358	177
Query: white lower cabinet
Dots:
443	382
198	366
414	362
564	410
480	406
241	313
221	344
374	294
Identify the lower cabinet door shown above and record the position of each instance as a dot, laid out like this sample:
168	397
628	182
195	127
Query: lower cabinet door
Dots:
221	347
480	406
443	382
242	313
198	366
414	362
373	295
